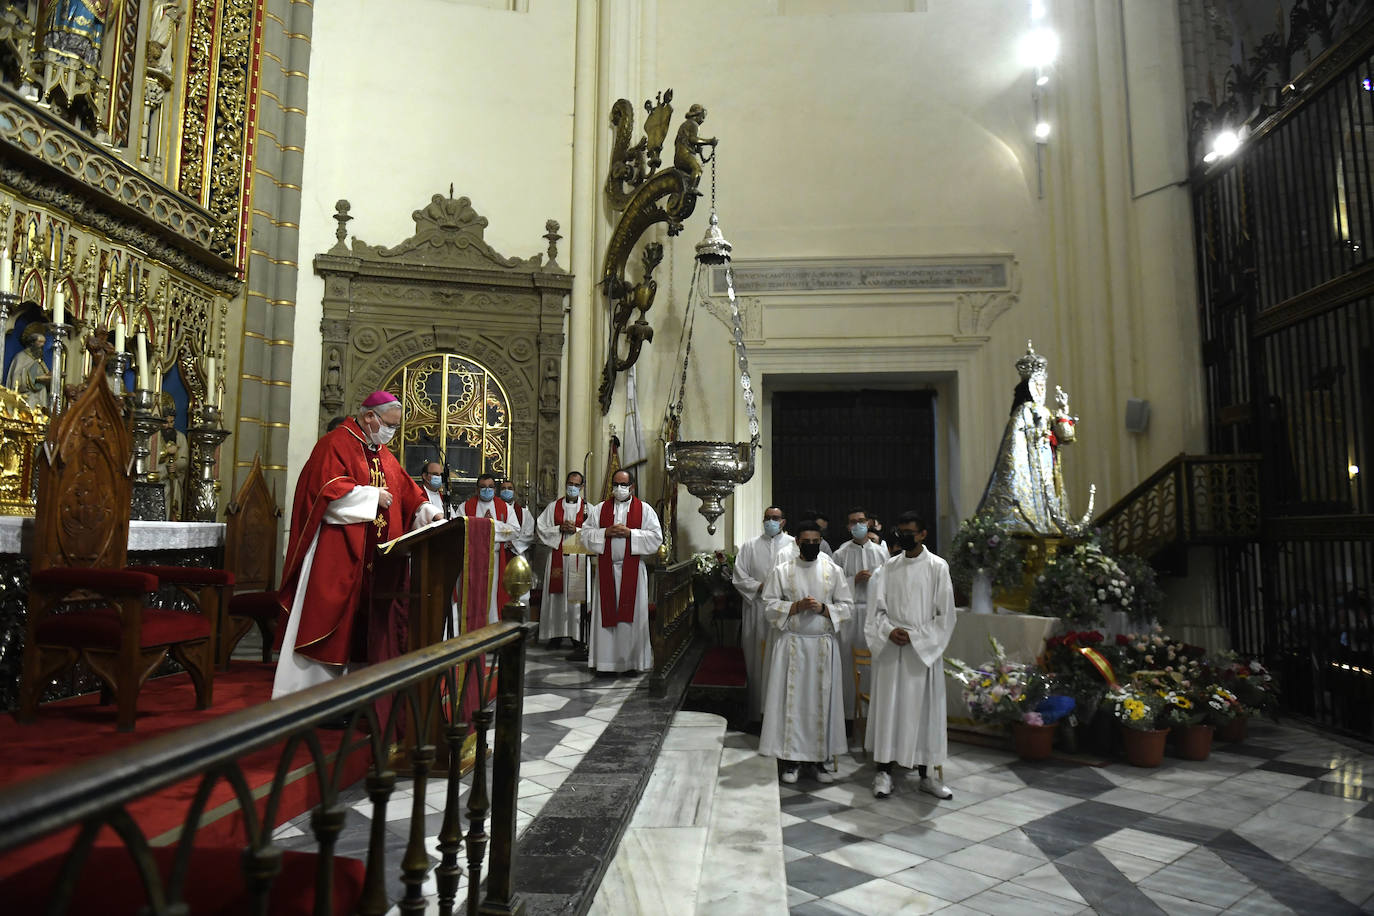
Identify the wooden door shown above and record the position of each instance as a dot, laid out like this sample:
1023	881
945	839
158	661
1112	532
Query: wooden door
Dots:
873	448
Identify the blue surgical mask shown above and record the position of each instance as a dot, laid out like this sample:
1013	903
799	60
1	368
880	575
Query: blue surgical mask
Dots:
486	494
508	495
771	526
574	492
859	530
435	481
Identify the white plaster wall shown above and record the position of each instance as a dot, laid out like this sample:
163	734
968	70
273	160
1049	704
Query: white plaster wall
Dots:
407	96
847	134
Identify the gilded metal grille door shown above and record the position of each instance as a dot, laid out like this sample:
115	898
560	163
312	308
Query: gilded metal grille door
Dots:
456	412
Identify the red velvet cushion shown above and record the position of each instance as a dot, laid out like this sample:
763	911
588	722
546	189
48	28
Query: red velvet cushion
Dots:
721	666
258	605
189	575
99	627
109	883
106	581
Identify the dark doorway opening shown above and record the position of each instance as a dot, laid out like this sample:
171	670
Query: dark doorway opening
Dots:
871	448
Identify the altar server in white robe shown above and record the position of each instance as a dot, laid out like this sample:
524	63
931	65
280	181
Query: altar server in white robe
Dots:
860	558
805	602
565	574
432	482
524	519
910	621
754	560
620	533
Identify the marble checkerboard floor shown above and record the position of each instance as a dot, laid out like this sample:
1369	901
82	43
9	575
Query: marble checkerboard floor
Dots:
1283	823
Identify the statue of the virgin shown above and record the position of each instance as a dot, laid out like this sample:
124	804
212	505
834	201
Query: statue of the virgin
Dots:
1025	493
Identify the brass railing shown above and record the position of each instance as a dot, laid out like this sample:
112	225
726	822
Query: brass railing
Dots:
672	621
1193	499
426	686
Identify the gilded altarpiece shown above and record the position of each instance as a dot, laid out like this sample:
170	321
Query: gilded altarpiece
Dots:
443	319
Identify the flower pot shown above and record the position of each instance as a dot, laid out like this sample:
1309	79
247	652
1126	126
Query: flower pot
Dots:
1233	731
980	597
1032	742
1193	742
1144	748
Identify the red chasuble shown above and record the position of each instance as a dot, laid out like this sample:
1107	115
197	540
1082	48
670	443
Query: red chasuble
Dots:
619	608
338	594
556	558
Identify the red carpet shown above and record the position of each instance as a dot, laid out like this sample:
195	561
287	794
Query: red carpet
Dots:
80	728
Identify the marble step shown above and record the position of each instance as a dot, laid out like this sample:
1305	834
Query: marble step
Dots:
706	836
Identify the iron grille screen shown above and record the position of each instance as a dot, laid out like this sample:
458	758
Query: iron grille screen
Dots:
456	413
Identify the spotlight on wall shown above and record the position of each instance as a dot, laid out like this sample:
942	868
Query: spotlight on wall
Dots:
1042	75
1354	471
1037	10
1225	142
1040	47
1042	132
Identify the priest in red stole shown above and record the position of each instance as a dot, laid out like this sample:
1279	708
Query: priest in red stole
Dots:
351	496
508	532
621	532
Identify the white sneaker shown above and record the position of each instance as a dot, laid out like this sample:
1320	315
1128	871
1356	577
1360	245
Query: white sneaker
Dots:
935	787
823	775
882	785
789	775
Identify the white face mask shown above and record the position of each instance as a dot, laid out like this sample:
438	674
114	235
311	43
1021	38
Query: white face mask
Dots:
621	492
384	433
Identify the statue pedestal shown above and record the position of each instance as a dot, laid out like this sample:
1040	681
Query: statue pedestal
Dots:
1038	552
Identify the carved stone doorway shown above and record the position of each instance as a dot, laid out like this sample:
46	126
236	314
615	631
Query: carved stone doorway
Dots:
435	313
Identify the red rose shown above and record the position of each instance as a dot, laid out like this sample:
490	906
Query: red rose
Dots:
1122	639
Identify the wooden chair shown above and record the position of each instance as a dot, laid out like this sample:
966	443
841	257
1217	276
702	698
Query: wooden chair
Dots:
862	659
250	553
81	537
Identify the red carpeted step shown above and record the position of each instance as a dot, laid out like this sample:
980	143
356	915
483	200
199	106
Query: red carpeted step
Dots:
71	730
109	883
721	666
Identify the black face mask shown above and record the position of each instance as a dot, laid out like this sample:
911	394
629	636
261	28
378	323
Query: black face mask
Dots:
907	540
809	551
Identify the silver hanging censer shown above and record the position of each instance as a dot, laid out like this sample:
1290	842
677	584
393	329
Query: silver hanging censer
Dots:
711	470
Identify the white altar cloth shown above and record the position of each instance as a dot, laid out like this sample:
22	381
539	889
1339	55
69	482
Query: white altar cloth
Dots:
16	535
1022	635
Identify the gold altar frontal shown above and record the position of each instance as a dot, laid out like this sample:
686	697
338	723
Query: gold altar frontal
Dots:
1039	551
22	429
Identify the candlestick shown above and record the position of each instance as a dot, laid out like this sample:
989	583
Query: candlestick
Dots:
59	306
119	335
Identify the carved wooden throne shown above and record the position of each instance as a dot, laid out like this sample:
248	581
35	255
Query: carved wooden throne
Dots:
81	537
250	553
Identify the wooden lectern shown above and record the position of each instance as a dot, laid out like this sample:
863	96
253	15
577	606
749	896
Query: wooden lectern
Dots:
436	561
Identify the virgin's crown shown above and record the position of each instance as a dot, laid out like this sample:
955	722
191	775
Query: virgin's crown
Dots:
1032	364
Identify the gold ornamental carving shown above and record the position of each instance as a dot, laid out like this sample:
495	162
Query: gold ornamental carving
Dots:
645	195
21	433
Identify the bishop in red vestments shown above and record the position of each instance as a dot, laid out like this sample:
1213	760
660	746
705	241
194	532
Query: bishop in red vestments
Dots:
351	496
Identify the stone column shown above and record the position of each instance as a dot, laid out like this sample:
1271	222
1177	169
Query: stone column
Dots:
263	399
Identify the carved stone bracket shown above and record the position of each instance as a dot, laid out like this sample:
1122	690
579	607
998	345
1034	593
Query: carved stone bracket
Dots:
978	310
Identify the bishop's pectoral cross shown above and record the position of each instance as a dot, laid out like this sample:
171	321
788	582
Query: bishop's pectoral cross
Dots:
379	481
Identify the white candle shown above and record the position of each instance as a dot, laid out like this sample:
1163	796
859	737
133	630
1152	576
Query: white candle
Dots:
119	335
141	355
59	306
209	380
5	270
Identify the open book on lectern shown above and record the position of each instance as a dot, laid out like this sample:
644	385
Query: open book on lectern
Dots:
420	533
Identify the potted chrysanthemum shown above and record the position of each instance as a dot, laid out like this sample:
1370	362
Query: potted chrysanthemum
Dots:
1138	711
